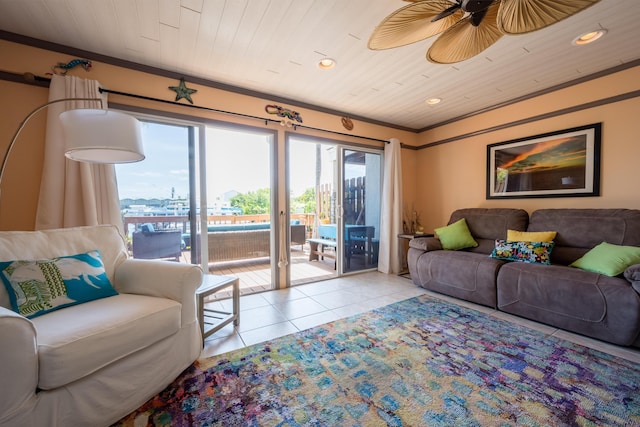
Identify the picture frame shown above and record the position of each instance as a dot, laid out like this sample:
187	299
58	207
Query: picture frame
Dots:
565	163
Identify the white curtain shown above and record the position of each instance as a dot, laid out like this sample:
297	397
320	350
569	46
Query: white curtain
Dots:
74	193
391	210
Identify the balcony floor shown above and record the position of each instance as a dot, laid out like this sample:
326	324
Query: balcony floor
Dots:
255	274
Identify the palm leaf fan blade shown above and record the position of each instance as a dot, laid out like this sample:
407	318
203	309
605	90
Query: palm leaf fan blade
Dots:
412	23
464	40
524	16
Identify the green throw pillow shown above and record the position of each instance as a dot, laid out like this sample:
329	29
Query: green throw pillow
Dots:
456	236
36	287
610	260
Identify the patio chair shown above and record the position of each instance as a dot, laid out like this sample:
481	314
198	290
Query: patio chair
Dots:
151	244
359	242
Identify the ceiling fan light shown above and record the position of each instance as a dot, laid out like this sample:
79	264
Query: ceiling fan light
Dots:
589	37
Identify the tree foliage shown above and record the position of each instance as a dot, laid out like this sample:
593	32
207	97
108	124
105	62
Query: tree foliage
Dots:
253	202
259	202
304	203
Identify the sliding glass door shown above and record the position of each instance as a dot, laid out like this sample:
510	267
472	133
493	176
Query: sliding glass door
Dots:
156	195
240	221
204	195
335	192
362	183
312	188
208	194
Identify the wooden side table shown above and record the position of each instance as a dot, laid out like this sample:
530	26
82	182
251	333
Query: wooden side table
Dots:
403	262
217	319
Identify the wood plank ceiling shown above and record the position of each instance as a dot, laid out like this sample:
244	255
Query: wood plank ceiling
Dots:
273	47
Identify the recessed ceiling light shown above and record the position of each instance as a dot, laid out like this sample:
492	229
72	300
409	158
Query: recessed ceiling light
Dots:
433	101
589	37
326	63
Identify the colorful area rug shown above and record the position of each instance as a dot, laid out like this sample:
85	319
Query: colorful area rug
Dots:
419	362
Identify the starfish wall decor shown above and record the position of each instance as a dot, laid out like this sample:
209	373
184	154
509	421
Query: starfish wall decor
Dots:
182	91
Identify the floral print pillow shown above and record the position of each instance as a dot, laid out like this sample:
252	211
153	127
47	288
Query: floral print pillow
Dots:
532	252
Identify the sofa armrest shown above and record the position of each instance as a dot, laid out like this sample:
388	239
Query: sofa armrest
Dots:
163	279
632	274
425	244
18	364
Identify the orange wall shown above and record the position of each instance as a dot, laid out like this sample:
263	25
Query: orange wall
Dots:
453	175
21	180
436	180
21	183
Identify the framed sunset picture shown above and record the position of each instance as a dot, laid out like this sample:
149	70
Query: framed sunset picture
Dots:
558	164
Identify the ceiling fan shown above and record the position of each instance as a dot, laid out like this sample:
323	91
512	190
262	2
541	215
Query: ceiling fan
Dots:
468	26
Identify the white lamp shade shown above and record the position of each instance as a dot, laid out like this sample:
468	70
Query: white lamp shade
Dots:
101	136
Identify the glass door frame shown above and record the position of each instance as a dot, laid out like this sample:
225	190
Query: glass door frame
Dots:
340	147
271	137
190	125
196	128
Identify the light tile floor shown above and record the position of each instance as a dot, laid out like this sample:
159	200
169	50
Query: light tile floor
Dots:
272	314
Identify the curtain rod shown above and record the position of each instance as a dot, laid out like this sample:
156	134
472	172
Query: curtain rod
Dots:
33	79
248	116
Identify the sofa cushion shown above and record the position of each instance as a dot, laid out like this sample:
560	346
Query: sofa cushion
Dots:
147	228
608	259
456	236
238	227
489	224
461	274
534	252
598	306
36	287
579	230
79	340
530	236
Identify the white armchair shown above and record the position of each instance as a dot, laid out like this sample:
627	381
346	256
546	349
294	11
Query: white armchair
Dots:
95	362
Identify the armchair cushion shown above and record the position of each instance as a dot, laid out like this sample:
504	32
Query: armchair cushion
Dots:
110	330
36	287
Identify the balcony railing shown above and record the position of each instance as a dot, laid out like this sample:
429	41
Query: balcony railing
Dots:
181	222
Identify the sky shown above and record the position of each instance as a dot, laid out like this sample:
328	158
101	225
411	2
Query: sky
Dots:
165	167
235	161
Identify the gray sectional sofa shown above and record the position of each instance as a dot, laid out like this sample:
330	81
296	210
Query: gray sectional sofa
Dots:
588	303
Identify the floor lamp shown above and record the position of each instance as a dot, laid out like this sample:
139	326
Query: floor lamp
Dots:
92	135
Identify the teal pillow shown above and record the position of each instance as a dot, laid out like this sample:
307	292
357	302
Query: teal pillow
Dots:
531	252
610	260
37	287
456	236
